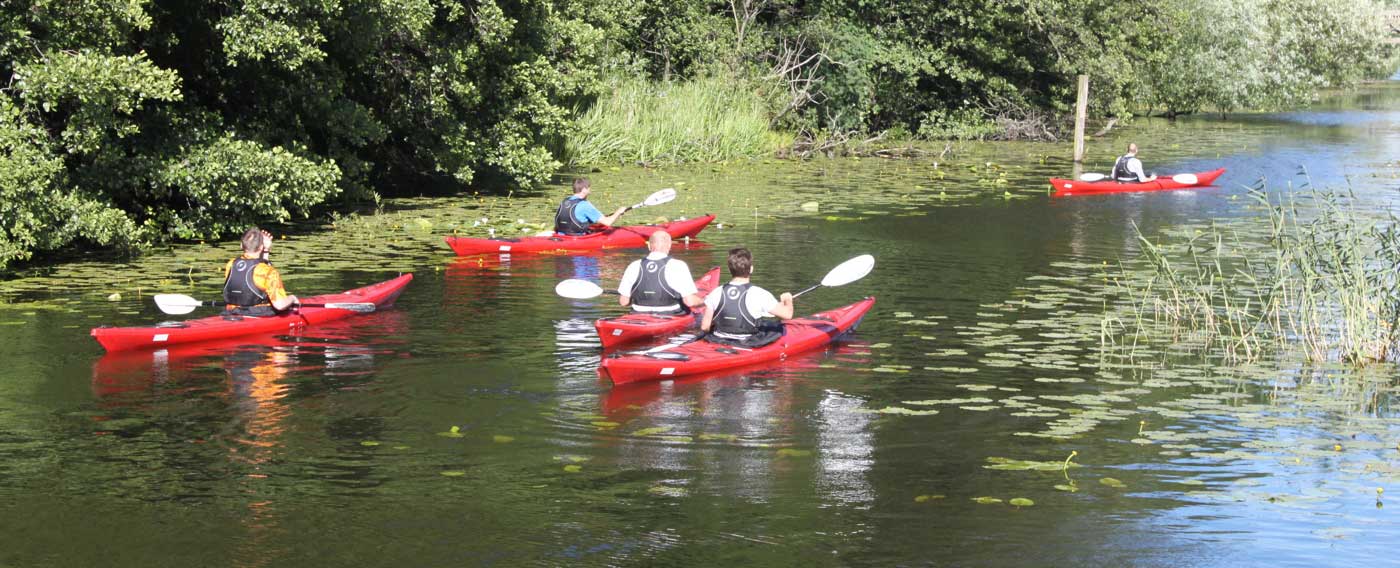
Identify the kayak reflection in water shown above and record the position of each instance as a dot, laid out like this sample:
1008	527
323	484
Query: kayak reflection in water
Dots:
658	284
252	287
576	215
743	314
1128	168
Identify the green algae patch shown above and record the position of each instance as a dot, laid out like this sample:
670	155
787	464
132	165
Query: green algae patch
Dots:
652	431
1008	464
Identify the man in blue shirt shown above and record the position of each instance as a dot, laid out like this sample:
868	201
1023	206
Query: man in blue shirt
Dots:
576	214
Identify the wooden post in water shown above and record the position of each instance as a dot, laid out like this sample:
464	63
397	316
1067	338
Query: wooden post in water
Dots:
1081	109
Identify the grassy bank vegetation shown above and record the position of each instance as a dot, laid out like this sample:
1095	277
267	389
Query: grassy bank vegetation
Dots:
707	119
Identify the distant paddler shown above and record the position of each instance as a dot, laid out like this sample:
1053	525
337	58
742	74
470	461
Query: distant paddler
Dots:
1128	168
576	215
657	283
252	287
742	314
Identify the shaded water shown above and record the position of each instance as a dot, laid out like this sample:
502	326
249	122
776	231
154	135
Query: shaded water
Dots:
338	447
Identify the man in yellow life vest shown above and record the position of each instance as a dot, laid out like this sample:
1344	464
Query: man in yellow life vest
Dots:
252	287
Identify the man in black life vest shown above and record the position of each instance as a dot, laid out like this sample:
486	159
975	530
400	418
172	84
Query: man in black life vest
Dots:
658	284
252	287
1128	168
575	215
743	314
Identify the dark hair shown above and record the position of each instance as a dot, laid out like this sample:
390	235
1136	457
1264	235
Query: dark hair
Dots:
581	184
252	240
740	262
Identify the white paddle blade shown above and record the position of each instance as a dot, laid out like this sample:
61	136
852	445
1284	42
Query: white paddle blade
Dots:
664	196
1092	177
1188	179
849	271
176	304
357	307
578	289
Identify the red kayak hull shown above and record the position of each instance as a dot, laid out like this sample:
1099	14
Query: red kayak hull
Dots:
634	326
1065	187
617	237
803	334
382	295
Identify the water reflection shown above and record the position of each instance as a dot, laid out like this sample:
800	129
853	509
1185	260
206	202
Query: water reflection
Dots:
741	433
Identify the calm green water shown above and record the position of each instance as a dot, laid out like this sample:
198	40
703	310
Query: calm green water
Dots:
336	448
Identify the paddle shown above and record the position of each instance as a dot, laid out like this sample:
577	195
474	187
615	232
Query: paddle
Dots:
576	289
181	304
1186	179
663	196
844	273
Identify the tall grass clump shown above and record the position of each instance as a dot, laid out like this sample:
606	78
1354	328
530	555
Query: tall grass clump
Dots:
707	119
1325	277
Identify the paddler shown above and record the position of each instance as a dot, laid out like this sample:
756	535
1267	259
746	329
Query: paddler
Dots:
657	283
576	214
1128	168
252	287
742	314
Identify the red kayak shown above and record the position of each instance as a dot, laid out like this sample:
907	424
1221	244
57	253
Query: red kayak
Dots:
1065	187
219	327
697	357
631	327
615	237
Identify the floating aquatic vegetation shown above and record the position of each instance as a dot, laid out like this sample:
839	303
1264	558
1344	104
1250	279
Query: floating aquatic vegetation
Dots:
1009	464
1021	502
902	411
793	453
573	468
500	439
986	500
652	431
1112	482
928	498
452	473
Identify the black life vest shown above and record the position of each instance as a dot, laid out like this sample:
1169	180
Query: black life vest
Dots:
651	289
564	220
732	319
239	289
1120	169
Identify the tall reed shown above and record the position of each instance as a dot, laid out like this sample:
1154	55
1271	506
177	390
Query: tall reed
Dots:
706	119
1325	278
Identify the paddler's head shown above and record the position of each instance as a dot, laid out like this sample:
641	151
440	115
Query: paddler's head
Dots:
659	241
582	187
1132	148
740	263
256	242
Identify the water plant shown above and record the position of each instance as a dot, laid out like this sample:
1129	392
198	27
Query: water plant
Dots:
1323	277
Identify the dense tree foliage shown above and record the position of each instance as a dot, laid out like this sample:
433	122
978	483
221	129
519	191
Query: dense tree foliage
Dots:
126	122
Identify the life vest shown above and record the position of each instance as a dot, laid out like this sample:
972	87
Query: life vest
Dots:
564	220
732	319
239	289
651	289
1120	169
